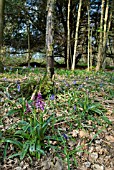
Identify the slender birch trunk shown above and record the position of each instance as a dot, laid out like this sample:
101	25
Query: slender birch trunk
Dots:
106	30
29	56
50	37
91	50
68	35
76	35
99	57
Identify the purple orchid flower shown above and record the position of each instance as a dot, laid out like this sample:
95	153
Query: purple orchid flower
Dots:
38	102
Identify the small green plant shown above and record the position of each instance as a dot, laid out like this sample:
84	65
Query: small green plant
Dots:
68	153
29	134
89	110
64	143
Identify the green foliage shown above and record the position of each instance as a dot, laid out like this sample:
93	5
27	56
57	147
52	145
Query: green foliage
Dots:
88	107
28	135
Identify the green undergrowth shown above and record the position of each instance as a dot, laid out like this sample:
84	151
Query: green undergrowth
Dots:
44	115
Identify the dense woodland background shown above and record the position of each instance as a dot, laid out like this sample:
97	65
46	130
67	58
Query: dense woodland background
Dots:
80	30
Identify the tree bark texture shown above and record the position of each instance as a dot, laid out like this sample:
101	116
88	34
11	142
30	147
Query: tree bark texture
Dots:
2	3
50	37
108	20
28	56
88	63
100	48
76	35
113	27
68	35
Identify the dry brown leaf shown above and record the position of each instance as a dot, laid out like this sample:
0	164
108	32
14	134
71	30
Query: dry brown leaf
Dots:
83	134
108	112
110	138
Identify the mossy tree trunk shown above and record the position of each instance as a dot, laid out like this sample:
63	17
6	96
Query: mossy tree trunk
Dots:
50	37
100	48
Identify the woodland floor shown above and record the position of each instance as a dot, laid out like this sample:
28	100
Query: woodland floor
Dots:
99	153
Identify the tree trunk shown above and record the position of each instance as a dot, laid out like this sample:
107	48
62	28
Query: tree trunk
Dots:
100	48
91	50
107	24
113	27
50	37
76	35
2	3
68	35
29	56
88	63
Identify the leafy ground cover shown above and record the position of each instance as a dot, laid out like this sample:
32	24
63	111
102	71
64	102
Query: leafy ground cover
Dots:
65	126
